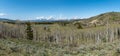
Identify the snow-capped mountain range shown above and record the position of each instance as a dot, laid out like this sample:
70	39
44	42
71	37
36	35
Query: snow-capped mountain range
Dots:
44	19
55	18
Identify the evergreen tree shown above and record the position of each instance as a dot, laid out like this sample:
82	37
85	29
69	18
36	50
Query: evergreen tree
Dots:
29	31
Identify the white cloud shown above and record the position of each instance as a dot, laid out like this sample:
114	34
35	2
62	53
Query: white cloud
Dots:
2	14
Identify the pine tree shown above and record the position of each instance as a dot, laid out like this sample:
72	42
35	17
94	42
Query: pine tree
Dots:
29	31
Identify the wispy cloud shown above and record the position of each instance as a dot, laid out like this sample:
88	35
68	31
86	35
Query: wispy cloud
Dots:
3	14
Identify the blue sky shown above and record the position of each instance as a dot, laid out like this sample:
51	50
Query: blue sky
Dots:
35	9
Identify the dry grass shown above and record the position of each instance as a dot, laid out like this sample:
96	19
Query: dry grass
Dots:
57	40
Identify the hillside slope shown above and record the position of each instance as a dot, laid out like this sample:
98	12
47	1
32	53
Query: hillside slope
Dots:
102	19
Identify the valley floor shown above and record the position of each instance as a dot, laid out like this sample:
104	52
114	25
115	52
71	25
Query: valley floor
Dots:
20	47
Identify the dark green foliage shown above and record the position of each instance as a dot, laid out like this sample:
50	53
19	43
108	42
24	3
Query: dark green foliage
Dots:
46	28
29	31
63	23
51	39
95	25
78	25
118	50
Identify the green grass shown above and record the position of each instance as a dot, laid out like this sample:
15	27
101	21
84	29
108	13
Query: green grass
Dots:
71	42
15	47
